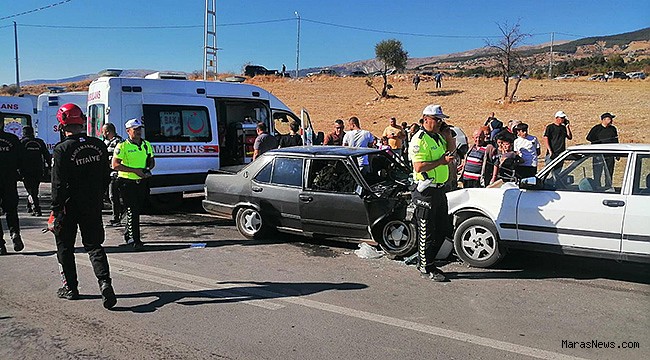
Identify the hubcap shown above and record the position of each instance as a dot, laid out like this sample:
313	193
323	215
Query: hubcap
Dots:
479	243
252	221
395	233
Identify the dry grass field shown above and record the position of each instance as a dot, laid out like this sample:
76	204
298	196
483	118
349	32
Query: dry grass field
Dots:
470	101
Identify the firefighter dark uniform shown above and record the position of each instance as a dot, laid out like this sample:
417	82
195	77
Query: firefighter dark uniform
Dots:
11	154
133	188
432	220
80	175
36	161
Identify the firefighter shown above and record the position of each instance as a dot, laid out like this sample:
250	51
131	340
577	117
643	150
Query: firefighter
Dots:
133	160
431	152
11	154
36	163
80	175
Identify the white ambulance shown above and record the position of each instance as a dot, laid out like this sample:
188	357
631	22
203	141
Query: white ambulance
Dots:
194	126
48	104
16	112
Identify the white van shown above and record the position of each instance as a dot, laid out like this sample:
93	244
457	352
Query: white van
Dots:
48	104
15	113
194	126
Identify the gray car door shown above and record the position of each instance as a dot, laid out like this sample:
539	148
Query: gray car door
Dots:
329	204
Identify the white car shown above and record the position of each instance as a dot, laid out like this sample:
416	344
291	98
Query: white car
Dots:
593	200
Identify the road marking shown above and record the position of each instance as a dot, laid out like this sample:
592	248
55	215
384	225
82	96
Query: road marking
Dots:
340	310
187	284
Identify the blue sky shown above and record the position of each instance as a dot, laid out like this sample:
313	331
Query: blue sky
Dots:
54	53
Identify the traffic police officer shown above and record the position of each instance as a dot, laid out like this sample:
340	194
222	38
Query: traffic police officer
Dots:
35	163
133	160
11	154
80	175
430	150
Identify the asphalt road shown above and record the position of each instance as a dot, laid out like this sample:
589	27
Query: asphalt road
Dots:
294	298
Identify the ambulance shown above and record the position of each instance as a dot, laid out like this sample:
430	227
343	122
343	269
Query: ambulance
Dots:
15	113
195	127
47	105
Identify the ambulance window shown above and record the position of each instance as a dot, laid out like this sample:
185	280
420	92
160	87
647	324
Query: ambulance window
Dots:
96	119
177	123
13	123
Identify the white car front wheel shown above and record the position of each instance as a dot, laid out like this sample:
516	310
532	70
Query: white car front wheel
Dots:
476	242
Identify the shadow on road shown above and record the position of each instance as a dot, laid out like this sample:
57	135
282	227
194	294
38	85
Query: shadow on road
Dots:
256	291
529	265
444	92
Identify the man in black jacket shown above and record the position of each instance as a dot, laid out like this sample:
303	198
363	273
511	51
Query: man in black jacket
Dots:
11	153
35	163
80	175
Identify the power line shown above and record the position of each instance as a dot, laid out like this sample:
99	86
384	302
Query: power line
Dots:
398	32
35	10
156	27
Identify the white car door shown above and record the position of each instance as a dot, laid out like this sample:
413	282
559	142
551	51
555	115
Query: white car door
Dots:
582	205
636	226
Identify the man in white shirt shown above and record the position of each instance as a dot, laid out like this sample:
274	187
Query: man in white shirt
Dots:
357	137
529	148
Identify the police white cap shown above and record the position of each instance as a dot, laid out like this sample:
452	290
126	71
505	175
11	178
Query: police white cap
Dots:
434	110
134	123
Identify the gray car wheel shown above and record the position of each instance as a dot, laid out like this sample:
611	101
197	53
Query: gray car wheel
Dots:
476	242
398	238
250	223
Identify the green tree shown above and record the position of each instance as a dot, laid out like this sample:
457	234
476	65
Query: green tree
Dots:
391	54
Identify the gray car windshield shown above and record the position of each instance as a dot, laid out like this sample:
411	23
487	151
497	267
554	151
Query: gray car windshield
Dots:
383	167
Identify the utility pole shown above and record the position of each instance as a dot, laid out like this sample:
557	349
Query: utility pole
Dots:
17	68
210	39
550	61
297	44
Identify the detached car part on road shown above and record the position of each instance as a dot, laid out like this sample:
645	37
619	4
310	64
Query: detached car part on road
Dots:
593	200
319	191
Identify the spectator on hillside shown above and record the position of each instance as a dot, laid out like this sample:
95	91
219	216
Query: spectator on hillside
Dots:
528	147
293	138
416	81
555	136
336	136
438	78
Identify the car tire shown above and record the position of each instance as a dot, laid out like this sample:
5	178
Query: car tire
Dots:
397	238
476	242
250	223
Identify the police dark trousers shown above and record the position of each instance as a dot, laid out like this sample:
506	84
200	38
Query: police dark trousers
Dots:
33	168
80	176
116	199
134	193
432	224
89	221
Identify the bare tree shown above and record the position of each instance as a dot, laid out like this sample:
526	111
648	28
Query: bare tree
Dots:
510	61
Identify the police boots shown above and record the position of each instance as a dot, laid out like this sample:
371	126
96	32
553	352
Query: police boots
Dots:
18	242
108	295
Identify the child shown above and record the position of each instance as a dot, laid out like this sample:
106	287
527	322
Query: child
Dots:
384	144
507	159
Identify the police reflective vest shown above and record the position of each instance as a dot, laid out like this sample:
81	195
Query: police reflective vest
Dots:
425	147
133	156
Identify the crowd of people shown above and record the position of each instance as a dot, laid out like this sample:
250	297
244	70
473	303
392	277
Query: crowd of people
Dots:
83	168
510	153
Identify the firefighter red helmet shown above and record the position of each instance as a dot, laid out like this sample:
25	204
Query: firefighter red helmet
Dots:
70	114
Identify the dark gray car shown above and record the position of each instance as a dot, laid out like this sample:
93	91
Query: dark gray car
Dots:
352	194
